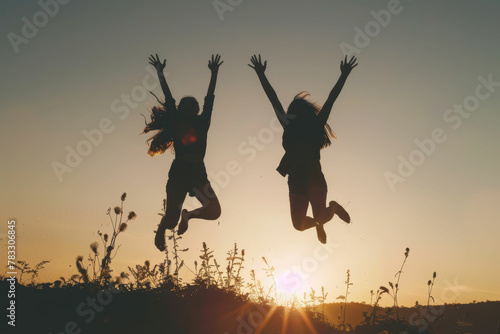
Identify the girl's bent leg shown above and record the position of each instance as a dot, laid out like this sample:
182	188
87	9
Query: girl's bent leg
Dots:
340	211
298	212
210	209
324	214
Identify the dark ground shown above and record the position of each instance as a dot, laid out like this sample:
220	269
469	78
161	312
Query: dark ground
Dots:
195	309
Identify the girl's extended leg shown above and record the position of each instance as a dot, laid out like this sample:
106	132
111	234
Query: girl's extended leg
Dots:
210	209
175	199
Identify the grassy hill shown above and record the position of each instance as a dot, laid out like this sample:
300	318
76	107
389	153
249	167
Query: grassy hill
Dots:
197	308
483	317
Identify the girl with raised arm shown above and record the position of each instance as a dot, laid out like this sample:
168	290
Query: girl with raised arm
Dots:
183	130
306	132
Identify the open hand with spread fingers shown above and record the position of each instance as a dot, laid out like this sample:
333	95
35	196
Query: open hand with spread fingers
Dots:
159	66
257	64
347	66
215	63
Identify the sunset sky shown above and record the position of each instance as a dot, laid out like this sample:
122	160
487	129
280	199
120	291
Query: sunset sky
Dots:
86	65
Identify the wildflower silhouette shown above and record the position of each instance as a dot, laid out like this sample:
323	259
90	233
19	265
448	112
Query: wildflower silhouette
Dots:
101	271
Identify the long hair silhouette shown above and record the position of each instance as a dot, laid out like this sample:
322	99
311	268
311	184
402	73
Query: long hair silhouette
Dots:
305	113
163	121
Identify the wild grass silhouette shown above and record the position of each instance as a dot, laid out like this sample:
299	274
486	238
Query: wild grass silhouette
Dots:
156	299
342	324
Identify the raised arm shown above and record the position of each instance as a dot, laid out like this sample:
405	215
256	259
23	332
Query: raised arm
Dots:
260	68
345	68
169	99
213	65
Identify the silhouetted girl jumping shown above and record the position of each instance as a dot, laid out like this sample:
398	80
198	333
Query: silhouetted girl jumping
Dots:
182	129
306	132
